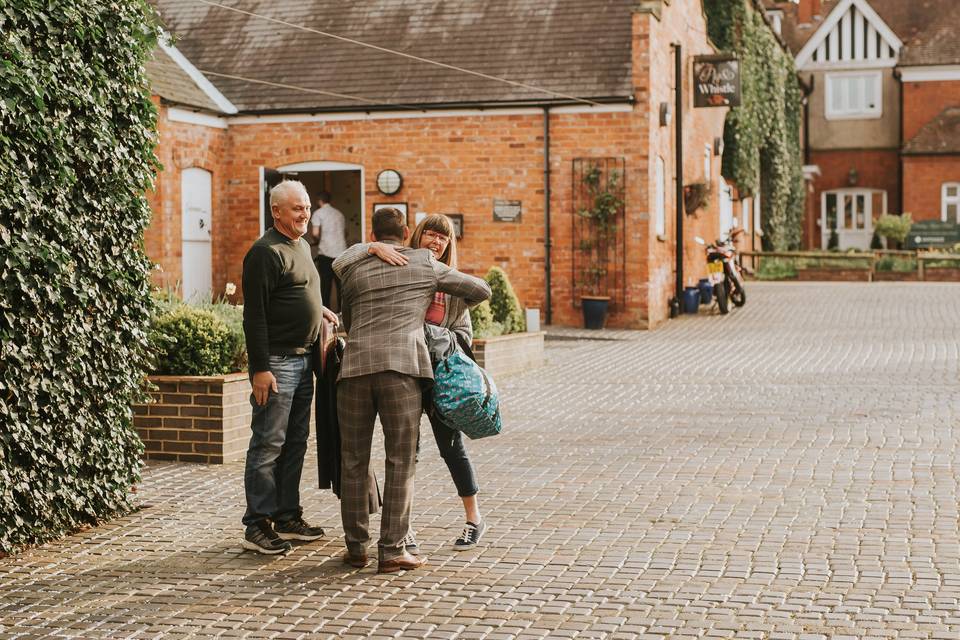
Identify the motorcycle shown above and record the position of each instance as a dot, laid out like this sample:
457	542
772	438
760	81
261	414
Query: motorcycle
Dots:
723	269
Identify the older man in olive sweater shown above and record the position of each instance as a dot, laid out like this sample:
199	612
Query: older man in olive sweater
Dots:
282	313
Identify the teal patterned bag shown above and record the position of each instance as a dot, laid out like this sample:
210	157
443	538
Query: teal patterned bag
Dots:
465	397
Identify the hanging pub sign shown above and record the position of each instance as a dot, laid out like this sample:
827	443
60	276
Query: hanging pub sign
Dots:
716	81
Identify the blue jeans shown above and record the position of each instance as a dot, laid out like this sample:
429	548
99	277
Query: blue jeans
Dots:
279	441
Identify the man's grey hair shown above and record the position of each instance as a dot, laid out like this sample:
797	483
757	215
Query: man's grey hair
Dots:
284	190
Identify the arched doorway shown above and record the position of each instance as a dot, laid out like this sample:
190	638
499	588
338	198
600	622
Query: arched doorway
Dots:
343	180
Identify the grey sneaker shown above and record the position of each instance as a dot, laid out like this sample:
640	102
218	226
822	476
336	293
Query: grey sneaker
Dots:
471	536
410	544
297	529
263	539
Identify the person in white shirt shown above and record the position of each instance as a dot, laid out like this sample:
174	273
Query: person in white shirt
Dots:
327	226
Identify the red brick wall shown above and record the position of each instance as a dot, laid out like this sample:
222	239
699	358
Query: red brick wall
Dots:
654	78
876	169
460	164
182	146
923	101
923	178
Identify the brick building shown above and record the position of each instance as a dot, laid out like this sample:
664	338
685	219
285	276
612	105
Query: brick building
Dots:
883	114
541	94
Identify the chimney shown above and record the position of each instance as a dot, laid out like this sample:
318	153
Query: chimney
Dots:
807	10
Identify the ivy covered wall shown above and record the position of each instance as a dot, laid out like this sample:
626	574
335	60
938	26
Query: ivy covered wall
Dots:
762	146
76	156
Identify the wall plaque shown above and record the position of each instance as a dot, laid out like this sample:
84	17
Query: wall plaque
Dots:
716	81
506	210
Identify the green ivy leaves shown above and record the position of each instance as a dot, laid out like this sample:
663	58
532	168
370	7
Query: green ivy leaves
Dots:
762	137
77	131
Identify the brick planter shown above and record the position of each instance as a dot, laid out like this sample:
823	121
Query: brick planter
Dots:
196	418
834	275
940	274
514	353
896	276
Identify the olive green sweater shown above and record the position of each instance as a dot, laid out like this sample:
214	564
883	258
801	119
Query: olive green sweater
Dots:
282	308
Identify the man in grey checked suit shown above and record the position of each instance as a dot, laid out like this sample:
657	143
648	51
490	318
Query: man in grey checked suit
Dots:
385	359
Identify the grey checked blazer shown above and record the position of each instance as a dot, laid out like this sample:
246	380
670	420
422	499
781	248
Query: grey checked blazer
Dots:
384	307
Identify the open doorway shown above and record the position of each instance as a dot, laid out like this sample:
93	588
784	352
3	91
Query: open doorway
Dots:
343	181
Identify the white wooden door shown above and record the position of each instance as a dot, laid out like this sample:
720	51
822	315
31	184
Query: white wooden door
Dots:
196	197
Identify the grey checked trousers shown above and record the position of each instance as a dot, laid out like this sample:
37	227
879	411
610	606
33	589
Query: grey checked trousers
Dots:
397	398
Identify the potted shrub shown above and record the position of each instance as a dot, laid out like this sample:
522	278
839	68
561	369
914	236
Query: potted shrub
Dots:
601	208
893	229
199	390
502	345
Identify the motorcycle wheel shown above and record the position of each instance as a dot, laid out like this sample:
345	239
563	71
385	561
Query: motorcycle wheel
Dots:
720	290
738	295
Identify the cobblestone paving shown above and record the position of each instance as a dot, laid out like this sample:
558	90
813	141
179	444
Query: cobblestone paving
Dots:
787	471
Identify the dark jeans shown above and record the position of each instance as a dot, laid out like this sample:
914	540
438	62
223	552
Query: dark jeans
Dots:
279	441
327	279
454	453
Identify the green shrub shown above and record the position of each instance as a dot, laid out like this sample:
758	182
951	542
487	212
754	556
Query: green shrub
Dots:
77	134
895	228
192	341
898	264
777	269
484	326
504	304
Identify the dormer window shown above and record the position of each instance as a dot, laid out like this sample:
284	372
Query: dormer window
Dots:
854	95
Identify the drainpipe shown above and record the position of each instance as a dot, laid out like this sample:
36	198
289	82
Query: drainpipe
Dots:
678	118
899	77
548	316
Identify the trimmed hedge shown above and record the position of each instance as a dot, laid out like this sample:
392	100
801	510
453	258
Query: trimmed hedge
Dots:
197	339
77	132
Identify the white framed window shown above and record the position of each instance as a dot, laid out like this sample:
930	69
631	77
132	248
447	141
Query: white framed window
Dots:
776	20
661	195
854	95
745	214
950	202
707	164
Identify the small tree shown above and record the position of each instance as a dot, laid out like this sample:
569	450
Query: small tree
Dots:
894	228
504	303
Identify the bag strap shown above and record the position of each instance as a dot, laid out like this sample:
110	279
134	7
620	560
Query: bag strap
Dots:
486	385
464	346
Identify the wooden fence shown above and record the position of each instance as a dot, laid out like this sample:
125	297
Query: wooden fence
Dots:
866	261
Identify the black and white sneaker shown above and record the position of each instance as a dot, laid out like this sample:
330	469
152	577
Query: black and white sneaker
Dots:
298	529
470	537
263	539
410	544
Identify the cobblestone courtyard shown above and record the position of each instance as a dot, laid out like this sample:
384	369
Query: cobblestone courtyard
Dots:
787	471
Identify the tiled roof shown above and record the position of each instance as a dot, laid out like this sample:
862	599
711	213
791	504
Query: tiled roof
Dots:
940	135
172	83
938	44
579	48
927	25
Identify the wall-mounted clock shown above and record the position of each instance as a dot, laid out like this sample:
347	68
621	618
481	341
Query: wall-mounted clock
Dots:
389	182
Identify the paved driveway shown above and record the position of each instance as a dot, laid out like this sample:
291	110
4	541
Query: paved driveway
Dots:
787	471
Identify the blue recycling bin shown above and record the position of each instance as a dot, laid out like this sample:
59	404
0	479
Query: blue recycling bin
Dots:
691	299
706	290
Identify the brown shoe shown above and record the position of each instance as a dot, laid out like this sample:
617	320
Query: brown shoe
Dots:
359	561
403	562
